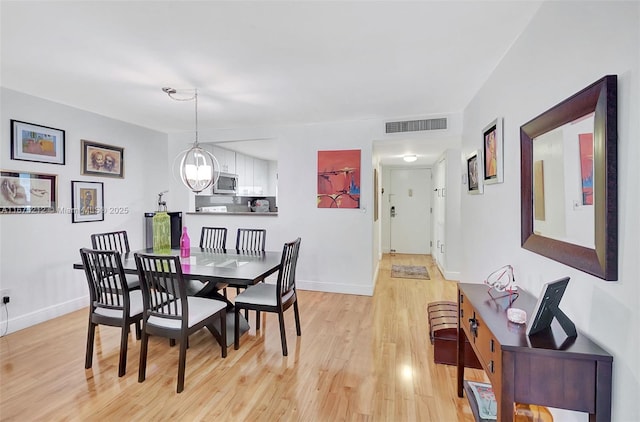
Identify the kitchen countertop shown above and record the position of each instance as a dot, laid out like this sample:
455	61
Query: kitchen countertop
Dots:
271	214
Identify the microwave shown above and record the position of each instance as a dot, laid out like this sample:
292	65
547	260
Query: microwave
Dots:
227	183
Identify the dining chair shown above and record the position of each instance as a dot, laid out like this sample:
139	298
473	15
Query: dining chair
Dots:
115	241
277	298
169	312
252	240
213	237
247	241
111	302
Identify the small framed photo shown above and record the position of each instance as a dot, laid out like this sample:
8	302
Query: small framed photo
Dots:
28	193
493	152
474	173
87	201
31	142
102	160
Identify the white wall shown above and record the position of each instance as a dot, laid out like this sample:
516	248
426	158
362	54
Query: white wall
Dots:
567	46
37	251
336	250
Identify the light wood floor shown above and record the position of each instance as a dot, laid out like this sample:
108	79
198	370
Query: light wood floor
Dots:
359	358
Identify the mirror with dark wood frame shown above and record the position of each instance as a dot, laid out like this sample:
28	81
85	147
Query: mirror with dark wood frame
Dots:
600	100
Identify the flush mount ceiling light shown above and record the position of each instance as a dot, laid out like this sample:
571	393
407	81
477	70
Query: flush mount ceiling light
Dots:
410	158
199	168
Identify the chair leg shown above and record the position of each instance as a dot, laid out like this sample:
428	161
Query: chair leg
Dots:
182	363
124	339
91	333
223	332
142	371
236	329
246	311
283	335
138	330
172	342
257	320
297	314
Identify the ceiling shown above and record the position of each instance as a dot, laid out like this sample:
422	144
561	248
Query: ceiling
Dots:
258	63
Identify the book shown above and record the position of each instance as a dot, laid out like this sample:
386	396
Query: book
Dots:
485	400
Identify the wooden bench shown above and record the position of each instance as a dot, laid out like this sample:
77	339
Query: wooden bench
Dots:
443	332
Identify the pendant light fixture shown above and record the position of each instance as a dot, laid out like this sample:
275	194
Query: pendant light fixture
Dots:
199	169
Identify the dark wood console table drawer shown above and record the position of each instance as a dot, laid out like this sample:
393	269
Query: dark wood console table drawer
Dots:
490	351
545	369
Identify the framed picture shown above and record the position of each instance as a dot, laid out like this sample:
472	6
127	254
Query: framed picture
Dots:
31	142
102	160
27	193
339	179
474	173
493	152
87	201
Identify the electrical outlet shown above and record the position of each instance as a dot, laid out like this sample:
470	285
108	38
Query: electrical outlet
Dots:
5	293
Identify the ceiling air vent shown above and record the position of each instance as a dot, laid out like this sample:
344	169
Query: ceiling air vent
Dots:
416	125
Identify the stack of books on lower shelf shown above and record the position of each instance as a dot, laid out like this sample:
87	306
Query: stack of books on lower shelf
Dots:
482	401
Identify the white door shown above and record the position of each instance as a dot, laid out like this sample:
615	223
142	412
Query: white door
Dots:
439	212
410	211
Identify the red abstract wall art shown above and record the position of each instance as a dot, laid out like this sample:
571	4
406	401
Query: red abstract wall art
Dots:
339	179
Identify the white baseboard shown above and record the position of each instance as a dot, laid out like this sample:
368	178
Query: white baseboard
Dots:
42	315
334	288
51	312
376	271
452	275
448	275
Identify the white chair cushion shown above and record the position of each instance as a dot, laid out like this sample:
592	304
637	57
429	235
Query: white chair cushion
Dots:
261	294
135	306
132	281
199	309
193	286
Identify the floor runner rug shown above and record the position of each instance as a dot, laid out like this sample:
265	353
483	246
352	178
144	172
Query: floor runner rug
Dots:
409	271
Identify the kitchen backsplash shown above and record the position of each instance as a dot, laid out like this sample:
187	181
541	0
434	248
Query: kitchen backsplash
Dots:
233	203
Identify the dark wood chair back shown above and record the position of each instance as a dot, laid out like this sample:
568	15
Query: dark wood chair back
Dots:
115	241
213	238
112	241
163	289
251	240
287	275
105	276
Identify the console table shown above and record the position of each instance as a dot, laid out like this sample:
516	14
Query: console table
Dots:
547	369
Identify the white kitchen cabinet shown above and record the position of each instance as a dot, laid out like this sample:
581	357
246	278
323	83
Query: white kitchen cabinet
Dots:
226	158
260	176
253	175
244	170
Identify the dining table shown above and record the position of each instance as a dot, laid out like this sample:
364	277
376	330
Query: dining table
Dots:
216	267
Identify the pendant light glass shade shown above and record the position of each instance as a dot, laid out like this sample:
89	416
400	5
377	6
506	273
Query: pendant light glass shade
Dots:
199	168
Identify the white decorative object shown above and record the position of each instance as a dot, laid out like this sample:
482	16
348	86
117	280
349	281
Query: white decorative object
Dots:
517	315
